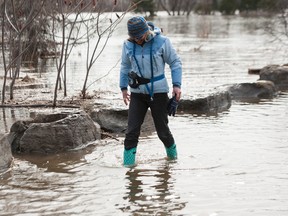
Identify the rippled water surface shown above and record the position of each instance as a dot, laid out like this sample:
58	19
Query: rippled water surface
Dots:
233	163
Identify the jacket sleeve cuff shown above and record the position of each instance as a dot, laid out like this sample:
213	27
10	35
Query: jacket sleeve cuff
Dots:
176	85
123	88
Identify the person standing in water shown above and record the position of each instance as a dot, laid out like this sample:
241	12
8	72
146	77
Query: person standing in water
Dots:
144	55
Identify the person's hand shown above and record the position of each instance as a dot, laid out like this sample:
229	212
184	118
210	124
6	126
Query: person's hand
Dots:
126	96
172	106
176	92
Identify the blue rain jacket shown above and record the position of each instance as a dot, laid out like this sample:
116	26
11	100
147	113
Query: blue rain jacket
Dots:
162	52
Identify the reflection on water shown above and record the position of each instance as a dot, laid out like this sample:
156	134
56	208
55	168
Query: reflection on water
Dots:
65	162
151	192
7	118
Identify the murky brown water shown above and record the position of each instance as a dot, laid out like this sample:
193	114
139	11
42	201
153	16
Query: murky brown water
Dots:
235	163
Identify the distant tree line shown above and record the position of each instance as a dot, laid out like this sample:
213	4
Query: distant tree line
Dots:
226	7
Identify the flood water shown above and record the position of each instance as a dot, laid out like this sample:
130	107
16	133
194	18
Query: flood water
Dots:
233	163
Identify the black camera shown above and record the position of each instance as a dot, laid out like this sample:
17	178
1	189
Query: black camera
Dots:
135	80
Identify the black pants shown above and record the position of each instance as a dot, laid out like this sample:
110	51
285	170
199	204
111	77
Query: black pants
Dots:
138	107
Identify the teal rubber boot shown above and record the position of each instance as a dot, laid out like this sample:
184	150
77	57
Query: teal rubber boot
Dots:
172	152
129	157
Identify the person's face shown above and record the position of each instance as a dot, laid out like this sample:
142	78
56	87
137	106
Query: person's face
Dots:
140	40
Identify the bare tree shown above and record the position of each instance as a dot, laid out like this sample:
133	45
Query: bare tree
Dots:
65	19
163	4
103	28
277	27
69	18
173	7
3	53
61	26
97	24
190	4
17	17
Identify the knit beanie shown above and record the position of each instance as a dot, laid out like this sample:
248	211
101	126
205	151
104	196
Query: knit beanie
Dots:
137	27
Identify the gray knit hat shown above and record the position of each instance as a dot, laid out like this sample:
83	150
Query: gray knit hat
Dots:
137	27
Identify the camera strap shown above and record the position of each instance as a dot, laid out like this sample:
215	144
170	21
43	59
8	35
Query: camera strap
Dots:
151	64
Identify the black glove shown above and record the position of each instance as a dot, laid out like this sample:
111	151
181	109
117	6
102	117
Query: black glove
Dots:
172	106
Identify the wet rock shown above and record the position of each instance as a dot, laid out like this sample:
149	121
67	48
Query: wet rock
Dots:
28	79
27	83
49	133
111	120
262	89
213	103
5	153
254	71
277	74
28	86
115	120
